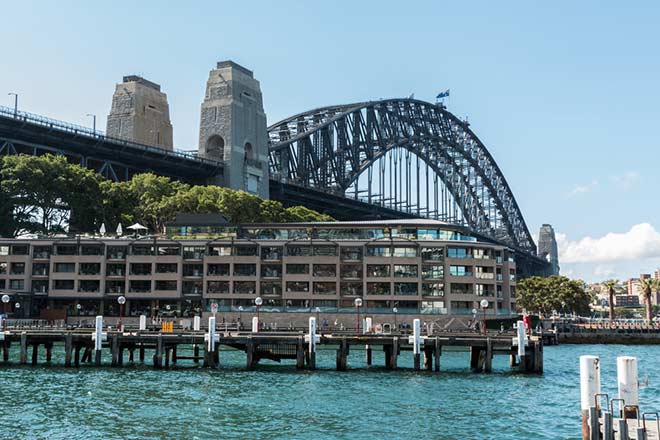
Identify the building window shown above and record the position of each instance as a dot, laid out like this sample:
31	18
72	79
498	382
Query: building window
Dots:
65	267
220	251
461	289
91	250
63	284
141	269
351	254
271	253
379	251
193	252
405	270
350	289
405	252
3	268
378	270
245	270
192	288
297	286
40	269
453	252
217	287
245	287
460	271
484	290
245	251
297	269
325	289
325	270
16	284
89	286
17	268
378	288
142	250
433	272
193	270
351	271
298	251
41	252
271	270
116	252
325	251
218	270
142	286
167	268
116	287
169	250
484	273
66	249
433	289
432	254
405	288
4	250
271	288
90	269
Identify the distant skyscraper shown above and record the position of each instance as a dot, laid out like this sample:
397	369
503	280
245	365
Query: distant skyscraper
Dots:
140	113
548	247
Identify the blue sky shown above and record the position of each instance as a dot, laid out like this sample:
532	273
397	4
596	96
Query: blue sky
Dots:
564	94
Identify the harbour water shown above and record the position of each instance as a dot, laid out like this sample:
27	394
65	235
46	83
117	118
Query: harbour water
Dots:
277	401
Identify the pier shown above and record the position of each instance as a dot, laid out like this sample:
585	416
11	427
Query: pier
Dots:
161	348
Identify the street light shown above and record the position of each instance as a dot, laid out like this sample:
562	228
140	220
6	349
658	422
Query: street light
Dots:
240	311
93	122
318	315
15	95
258	302
358	304
484	306
121	300
5	300
395	311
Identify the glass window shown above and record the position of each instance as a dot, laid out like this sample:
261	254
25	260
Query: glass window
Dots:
141	286
482	254
40	269
378	288
484	273
218	270
193	270
65	267
351	271
271	253
271	270
298	251
245	287
91	250
217	287
461	289
140	268
433	289
410	233
484	289
90	269
63	284
351	289
433	272
405	288
38	286
245	251
325	251
405	270
17	268
169	250
4	250
170	285
245	270
325	288
432	254
351	253
65	249
428	234
114	287
378	270
141	249
167	267
460	271
3	268
453	252
16	284
41	252
220	251
20	249
379	251
325	270
116	252
193	252
115	270
192	288
297	269
89	286
271	288
406	252
297	286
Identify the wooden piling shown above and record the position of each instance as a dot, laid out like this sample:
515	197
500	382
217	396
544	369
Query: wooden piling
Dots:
488	361
395	353
437	352
114	351
141	353
68	347
168	350
342	355
174	355
300	353
5	351
24	354
250	361
35	353
158	356
428	357
368	355
196	353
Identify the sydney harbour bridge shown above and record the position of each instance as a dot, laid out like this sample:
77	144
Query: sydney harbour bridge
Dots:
387	159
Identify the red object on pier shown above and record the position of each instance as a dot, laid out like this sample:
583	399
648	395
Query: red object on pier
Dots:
527	322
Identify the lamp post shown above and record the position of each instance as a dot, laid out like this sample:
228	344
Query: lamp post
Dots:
318	315
240	311
121	300
15	95
395	311
358	304
78	307
5	300
93	122
258	302
17	306
484	306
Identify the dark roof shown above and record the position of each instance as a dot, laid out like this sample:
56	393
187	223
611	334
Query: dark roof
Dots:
199	220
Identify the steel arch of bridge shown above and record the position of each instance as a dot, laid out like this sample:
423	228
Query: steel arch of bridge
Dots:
329	148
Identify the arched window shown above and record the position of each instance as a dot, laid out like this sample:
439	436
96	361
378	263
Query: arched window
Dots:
215	146
249	153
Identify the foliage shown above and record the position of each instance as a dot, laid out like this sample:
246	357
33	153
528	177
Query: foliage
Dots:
46	194
553	293
610	285
648	286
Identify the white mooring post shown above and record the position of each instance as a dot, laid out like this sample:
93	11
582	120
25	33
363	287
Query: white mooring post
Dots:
211	338
366	328
98	336
312	339
589	387
416	341
522	339
627	378
255	324
197	321
143	322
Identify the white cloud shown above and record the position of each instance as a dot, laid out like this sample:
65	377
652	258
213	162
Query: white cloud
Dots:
582	189
627	180
641	241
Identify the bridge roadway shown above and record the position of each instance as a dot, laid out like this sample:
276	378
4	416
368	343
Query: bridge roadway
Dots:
275	346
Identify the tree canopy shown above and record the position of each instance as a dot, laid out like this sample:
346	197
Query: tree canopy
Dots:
553	293
47	195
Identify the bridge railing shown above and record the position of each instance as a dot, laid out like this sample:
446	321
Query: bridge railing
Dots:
98	134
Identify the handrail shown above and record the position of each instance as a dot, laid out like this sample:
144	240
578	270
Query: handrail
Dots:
79	129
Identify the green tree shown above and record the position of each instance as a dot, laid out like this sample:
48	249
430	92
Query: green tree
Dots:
151	195
647	285
610	285
304	214
553	293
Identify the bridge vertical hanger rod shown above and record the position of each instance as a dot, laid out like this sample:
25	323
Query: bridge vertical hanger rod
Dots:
418	188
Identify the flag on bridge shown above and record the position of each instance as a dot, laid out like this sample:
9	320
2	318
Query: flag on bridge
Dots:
443	94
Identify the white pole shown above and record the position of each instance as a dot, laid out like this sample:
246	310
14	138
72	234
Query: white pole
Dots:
211	343
197	323
367	325
626	375
255	324
589	381
521	338
312	334
143	322
98	343
417	333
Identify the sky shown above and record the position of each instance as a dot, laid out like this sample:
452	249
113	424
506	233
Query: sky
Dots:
564	94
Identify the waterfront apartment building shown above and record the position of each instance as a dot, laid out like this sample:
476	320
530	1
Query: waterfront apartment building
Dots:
415	266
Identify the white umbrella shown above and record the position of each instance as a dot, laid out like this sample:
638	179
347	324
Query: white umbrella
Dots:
137	226
120	231
102	229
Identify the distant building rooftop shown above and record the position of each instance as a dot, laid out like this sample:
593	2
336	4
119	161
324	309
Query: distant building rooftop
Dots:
229	63
140	80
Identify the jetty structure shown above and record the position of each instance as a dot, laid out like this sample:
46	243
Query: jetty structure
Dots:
87	345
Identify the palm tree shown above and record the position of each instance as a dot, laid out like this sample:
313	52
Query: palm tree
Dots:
647	285
610	284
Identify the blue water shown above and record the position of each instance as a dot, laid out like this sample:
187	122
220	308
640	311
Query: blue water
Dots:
278	402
